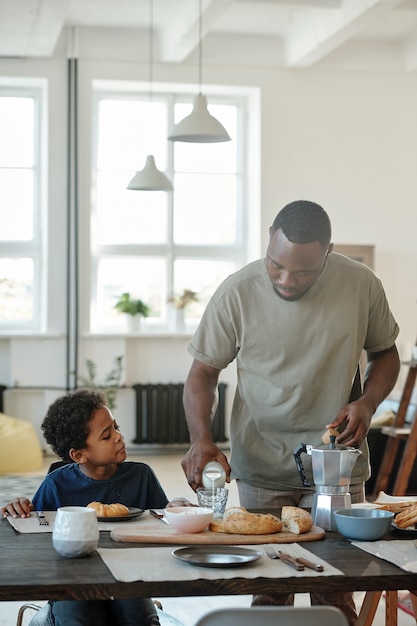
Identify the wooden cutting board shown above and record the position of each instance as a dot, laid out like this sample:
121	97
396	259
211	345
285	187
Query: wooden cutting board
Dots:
149	530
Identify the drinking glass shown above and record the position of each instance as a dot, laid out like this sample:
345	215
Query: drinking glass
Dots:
215	499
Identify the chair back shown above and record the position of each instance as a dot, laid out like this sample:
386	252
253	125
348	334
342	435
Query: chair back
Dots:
57	464
275	615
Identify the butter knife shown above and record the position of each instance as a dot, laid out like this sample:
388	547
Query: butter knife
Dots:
41	518
290	560
160	516
317	567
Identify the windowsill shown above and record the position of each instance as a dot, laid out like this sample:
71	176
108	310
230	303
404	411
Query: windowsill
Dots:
141	335
31	335
102	336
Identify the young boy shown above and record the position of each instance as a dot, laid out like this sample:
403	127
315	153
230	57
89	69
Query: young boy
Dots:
81	430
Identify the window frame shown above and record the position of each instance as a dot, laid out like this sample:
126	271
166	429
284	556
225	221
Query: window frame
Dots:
35	89
239	251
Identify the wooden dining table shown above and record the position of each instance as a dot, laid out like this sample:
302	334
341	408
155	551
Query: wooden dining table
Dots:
32	570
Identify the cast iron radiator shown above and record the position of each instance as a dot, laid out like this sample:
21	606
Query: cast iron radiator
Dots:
160	416
2	390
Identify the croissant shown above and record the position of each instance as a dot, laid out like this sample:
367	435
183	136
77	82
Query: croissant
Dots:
108	510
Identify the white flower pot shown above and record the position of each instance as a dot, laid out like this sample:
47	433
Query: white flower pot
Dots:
179	321
133	323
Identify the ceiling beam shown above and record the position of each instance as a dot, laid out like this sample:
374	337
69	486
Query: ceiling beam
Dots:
31	27
313	38
181	37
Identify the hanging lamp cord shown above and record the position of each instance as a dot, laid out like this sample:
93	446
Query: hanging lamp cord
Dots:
200	47
150	50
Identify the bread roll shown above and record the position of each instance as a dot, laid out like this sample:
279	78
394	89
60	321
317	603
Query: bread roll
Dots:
108	510
296	520
238	520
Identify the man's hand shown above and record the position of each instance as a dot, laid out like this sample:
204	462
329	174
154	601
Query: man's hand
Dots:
380	376
357	416
199	454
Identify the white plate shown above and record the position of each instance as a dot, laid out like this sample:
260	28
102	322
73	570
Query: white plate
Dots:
411	531
365	505
133	512
384	498
217	556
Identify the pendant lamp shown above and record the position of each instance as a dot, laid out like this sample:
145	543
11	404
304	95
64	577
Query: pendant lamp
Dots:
150	178
200	126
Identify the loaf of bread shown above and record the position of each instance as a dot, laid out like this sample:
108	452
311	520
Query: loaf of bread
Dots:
108	510
296	520
330	431
407	518
238	520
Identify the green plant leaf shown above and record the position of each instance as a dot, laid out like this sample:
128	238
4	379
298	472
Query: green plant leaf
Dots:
127	304
110	384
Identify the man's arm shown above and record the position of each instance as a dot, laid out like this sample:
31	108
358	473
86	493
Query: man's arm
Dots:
380	377
200	404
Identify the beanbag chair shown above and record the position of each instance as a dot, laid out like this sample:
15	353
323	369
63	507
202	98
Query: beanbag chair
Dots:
20	448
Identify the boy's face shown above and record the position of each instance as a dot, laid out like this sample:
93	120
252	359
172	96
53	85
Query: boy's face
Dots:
105	443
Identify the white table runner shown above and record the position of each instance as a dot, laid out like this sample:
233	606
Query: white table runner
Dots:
158	564
402	553
31	524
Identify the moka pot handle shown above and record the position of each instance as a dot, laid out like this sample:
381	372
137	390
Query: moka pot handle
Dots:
297	456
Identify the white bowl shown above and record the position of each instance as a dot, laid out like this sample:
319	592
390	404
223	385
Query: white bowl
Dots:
363	524
189	519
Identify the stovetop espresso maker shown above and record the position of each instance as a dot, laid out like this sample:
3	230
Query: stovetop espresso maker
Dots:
332	466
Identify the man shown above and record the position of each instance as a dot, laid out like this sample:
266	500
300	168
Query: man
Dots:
296	323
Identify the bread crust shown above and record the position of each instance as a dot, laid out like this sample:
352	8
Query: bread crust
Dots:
238	520
296	520
108	510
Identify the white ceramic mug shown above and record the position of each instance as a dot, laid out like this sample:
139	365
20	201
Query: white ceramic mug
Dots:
75	532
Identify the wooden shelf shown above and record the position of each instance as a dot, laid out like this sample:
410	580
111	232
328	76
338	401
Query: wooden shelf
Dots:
395	433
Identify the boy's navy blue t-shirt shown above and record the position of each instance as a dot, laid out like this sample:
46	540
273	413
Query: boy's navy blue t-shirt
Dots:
134	485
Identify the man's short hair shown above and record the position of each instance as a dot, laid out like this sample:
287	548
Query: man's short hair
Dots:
303	221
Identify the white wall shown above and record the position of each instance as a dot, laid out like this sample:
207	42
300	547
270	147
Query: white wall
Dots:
341	136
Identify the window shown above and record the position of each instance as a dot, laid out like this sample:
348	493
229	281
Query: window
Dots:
155	245
21	285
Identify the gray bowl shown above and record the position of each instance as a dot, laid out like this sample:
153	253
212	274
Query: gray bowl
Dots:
363	524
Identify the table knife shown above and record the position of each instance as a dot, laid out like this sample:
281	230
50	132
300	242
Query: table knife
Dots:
160	516
317	567
290	560
41	518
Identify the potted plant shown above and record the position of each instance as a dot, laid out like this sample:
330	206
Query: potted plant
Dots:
111	383
133	309
179	303
187	296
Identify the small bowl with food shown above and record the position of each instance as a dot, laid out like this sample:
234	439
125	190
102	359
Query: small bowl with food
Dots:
189	519
363	524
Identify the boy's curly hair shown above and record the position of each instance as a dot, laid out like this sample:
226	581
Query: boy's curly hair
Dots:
66	422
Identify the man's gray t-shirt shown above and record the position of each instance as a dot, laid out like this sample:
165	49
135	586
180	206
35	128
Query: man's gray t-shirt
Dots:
296	361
